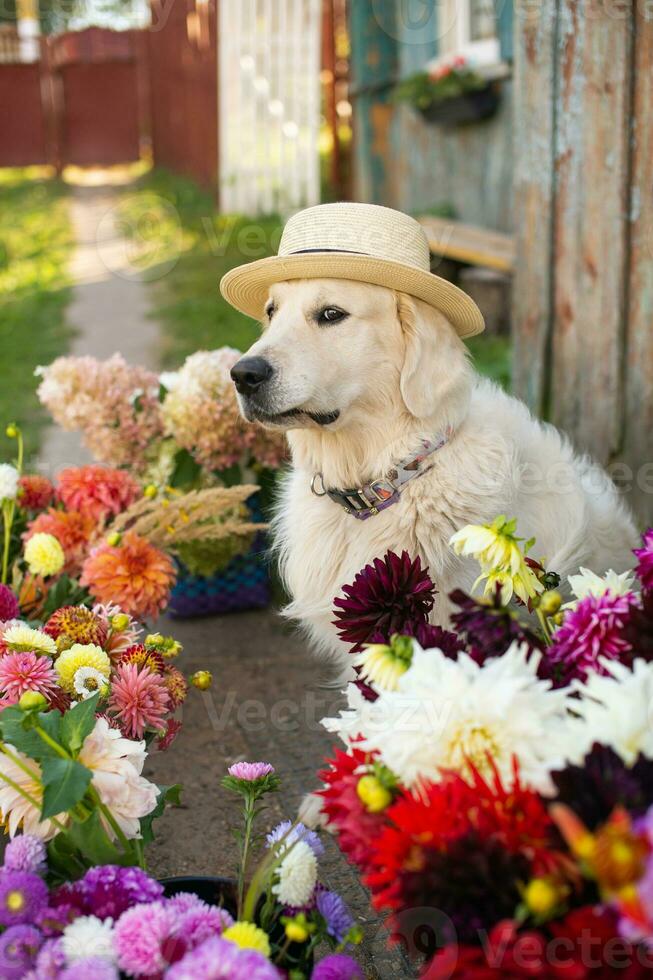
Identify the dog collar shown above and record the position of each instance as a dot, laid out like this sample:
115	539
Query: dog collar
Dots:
372	498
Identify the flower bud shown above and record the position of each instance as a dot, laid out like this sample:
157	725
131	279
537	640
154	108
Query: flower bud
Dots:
119	622
32	701
202	679
12	431
373	794
296	931
542	896
150	491
550	602
114	539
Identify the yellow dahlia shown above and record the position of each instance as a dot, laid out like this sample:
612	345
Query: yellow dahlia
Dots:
248	936
81	655
23	639
44	555
133	574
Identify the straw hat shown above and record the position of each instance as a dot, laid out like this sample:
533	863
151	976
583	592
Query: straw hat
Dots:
363	242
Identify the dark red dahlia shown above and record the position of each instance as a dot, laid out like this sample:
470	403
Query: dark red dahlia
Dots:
638	626
645	563
142	656
385	597
357	829
9	608
488	626
603	782
429	636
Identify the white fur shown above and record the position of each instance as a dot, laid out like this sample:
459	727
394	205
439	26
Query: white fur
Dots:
397	371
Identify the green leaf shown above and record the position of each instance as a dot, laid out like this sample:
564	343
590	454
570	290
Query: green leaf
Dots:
90	838
17	730
186	472
167	795
64	785
78	723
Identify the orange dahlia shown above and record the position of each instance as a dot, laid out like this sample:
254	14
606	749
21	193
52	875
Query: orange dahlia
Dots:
98	491
72	530
133	573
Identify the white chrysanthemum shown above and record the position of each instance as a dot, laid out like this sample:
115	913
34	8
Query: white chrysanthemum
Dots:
296	876
9	477
616	710
445	713
88	936
588	582
88	681
23	639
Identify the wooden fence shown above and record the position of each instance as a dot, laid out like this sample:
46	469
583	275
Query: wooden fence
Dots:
583	298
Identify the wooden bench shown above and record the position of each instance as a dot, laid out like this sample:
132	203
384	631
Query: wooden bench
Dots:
469	243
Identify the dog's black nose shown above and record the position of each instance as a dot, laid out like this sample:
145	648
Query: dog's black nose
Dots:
249	373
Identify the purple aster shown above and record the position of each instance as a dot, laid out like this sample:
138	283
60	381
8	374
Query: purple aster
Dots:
645	563
594	629
384	597
52	920
335	913
9	608
22	896
94	968
25	853
218	959
199	922
291	834
338	966
250	771
18	948
50	960
109	890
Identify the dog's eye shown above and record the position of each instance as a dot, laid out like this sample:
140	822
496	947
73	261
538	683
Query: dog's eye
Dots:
270	310
330	315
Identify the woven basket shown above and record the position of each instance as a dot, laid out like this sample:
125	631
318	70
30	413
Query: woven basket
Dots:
243	584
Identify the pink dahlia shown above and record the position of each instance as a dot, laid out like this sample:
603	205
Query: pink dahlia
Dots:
645	555
594	629
20	672
99	491
139	698
35	492
9	608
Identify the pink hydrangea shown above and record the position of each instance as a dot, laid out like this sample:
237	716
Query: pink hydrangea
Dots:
594	629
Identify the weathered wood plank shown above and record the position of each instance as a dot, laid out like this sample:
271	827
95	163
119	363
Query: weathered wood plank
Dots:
590	240
638	435
534	191
469	243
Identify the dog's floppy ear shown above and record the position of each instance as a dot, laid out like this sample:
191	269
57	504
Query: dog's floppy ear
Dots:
436	377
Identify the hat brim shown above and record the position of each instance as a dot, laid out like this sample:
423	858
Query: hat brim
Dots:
247	286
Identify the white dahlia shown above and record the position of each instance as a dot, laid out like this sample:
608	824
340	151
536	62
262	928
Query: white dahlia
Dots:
446	713
9	477
588	583
615	709
296	876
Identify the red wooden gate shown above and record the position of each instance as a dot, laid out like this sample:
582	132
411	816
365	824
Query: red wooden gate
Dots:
84	102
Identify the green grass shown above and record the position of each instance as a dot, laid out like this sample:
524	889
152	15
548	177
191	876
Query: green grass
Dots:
185	246
35	244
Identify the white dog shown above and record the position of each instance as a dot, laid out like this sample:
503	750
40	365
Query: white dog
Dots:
364	377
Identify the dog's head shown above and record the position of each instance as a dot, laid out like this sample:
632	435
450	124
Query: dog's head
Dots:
333	351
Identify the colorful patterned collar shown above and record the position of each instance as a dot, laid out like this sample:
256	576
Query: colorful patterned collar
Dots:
372	498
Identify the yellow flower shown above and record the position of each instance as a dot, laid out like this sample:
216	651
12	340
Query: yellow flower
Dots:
202	679
497	549
22	639
44	555
81	655
296	930
248	936
374	796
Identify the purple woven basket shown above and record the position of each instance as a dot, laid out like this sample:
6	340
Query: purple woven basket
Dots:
243	584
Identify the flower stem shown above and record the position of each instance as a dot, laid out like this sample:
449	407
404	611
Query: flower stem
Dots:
111	820
250	808
546	629
7	521
51	742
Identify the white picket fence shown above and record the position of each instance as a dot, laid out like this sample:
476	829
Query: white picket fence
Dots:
269	56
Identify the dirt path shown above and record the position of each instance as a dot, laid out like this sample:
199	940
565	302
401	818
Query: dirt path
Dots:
109	308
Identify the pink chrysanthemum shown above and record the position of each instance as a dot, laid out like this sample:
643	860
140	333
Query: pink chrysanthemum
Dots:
250	771
594	629
99	491
133	573
144	940
139	698
35	492
645	564
20	672
9	608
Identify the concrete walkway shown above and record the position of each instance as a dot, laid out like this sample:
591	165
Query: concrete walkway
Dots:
109	306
